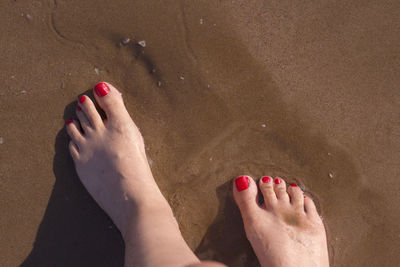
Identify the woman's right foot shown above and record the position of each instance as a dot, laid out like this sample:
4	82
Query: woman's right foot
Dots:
286	229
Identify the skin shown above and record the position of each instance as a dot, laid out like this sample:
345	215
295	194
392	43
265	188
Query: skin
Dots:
286	230
111	162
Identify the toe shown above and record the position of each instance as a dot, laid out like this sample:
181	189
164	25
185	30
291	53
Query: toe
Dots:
296	196
280	189
73	149
88	108
110	100
309	206
245	195
267	189
74	132
83	120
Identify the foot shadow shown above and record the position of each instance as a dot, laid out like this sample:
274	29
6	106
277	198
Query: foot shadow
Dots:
225	240
74	231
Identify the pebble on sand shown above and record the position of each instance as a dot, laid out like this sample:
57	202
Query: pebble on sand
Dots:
125	41
331	175
201	21
142	43
182	78
96	70
23	92
1	140
28	17
263	125
159	83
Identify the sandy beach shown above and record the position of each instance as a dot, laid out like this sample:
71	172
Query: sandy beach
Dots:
308	91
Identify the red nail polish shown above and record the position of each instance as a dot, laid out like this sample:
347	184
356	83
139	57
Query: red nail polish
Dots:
266	179
69	122
78	108
101	89
293	185
82	99
277	180
305	196
242	183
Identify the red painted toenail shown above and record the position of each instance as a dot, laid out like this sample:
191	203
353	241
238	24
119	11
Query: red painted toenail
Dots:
82	99
78	108
305	196
277	180
69	122
266	179
242	183
293	185
101	89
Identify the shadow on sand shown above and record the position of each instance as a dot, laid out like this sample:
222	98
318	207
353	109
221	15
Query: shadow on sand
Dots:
225	240
75	231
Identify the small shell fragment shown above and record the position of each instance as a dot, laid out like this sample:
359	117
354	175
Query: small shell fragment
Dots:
142	43
331	175
201	21
125	41
96	70
1	140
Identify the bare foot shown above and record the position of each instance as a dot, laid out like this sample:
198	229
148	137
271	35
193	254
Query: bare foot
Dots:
284	231
111	162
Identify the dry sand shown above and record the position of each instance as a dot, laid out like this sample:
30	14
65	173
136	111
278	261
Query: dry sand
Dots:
305	90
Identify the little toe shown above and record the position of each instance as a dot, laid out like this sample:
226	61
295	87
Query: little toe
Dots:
267	189
74	150
74	132
110	100
87	106
309	207
296	196
280	189
245	195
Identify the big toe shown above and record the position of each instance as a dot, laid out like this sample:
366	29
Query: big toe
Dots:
245	195
110	100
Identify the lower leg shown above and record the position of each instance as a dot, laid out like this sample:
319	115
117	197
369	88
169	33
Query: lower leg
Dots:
153	238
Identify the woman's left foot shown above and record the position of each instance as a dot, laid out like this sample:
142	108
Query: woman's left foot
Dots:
111	162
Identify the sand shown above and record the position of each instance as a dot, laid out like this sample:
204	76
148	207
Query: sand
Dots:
305	90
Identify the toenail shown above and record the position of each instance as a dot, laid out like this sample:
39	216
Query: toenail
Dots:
78	108
293	185
305	196
69	122
82	99
242	183
277	180
266	179
101	89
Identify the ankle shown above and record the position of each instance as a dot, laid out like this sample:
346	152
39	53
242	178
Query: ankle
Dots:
147	213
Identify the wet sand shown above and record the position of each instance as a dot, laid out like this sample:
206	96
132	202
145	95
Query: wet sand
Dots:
306	91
